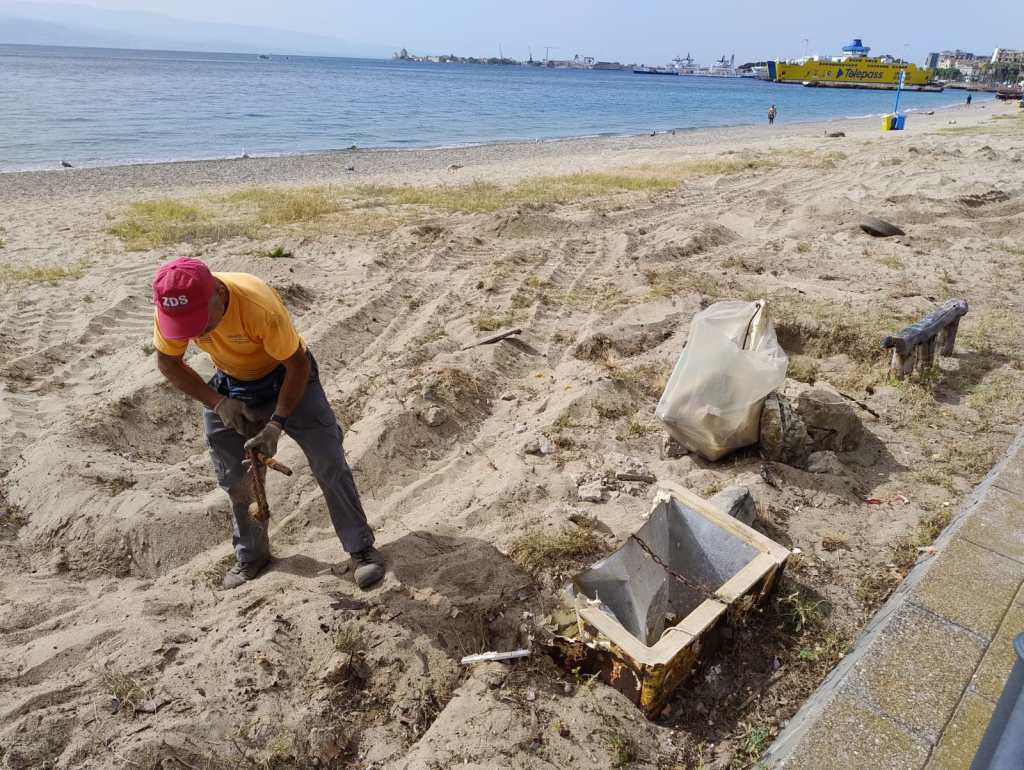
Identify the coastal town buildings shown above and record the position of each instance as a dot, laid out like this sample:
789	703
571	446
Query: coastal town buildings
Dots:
1008	56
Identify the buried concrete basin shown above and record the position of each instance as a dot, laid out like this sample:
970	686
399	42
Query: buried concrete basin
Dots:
642	625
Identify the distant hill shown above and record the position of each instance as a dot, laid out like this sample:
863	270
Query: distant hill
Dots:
73	25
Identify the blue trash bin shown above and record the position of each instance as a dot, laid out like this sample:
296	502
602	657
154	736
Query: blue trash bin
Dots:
901	120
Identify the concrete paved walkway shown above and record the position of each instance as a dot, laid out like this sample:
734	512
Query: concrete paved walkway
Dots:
919	687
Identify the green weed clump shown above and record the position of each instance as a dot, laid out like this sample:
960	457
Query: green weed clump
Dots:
151	224
50	274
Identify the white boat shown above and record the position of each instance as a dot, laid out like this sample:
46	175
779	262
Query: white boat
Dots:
685	66
723	68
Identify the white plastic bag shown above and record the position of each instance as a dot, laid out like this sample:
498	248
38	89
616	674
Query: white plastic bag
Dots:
731	362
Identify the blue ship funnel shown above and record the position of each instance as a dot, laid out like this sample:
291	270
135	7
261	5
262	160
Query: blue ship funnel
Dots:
856	47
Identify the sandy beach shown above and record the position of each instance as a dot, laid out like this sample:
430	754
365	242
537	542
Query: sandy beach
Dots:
118	650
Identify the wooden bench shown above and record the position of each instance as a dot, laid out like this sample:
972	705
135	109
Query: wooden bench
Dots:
916	345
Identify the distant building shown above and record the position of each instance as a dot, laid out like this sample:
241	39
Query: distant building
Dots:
957	59
932	61
1007	56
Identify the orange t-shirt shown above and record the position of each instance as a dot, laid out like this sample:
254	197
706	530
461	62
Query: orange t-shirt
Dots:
255	335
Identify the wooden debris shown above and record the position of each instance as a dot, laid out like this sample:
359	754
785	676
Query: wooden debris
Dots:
259	509
484	657
646	478
917	344
494	338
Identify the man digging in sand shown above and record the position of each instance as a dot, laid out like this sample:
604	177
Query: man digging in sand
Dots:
266	384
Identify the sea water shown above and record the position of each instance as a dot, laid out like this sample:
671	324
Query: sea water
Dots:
94	106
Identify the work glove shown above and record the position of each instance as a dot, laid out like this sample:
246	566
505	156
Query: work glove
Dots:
265	442
234	414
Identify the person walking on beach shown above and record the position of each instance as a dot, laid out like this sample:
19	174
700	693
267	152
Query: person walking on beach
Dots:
968	100
771	115
266	383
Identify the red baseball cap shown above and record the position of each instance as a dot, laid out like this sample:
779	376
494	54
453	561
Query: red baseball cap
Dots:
181	292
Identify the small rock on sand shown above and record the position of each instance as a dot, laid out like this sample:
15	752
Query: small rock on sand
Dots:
591	492
435	416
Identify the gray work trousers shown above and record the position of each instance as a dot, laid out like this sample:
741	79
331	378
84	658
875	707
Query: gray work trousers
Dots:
314	428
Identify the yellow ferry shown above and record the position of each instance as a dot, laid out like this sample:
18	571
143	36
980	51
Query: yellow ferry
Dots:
854	69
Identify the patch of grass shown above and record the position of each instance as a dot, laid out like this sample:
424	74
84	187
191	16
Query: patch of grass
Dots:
50	274
148	348
931	525
1011	248
647	380
972	459
637	428
3	237
489	322
541	551
802	369
164	222
123	688
994	332
429	337
282	206
823	329
349	639
608	410
565	421
483	197
828	646
803	247
890	261
278	252
167	221
800	612
998	391
936	477
623	750
916	402
674	281
754	740
213	574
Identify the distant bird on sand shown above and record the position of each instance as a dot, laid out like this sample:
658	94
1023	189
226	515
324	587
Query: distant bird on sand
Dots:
65	164
454	167
350	168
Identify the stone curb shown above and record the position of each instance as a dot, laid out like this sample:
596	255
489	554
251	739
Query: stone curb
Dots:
841	703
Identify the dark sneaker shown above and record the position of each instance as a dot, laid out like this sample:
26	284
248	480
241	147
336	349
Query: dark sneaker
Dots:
369	567
243	573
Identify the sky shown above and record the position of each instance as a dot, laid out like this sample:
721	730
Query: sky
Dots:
642	31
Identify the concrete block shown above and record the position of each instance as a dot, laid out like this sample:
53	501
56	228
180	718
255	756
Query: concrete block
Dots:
963	734
851	736
997	523
831	422
917	668
970	585
738	503
995	667
641	621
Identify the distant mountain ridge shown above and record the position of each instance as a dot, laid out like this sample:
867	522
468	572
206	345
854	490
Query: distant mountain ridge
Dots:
79	25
